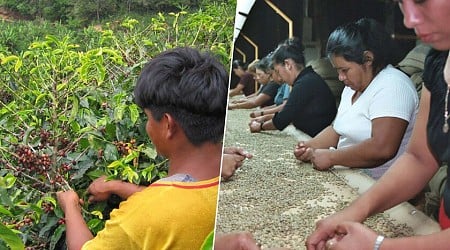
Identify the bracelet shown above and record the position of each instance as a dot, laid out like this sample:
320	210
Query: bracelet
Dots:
261	126
378	242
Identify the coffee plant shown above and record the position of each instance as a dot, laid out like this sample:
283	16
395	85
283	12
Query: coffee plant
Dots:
67	116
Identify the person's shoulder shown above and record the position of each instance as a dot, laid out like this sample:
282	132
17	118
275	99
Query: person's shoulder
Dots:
435	60
308	74
393	78
273	85
436	55
394	75
247	75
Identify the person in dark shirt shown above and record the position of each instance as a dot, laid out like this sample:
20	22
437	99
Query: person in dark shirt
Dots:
246	84
266	93
428	148
311	106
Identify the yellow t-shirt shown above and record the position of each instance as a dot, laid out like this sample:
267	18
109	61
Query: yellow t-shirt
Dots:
166	215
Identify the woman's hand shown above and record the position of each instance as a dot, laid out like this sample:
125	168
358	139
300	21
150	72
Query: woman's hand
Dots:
303	152
255	127
352	236
321	159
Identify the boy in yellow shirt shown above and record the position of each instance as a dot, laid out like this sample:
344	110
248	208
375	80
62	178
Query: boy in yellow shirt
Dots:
183	93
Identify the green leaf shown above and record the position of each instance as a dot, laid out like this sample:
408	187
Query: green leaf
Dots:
82	166
95	224
18	65
5	211
10	238
85	130
110	130
118	113
57	235
208	243
147	172
98	214
75	126
75	107
84	103
58	212
27	134
50	222
61	86
134	113
5	198
115	164
50	199
41	96
94	174
133	155
110	153
150	152
7	181
101	71
8	59
129	174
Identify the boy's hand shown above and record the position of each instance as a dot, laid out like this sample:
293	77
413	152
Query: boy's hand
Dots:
68	200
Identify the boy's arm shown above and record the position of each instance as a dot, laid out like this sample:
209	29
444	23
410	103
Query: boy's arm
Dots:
100	189
77	232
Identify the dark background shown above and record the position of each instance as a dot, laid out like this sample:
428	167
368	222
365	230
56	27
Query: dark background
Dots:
265	28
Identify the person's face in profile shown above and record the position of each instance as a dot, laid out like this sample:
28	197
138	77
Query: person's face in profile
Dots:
280	69
276	77
353	75
262	77
430	20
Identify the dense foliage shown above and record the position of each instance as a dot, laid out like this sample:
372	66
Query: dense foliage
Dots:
67	114
88	10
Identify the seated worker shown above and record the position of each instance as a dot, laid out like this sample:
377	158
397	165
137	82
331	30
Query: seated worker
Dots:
251	68
266	93
279	101
378	105
426	151
233	158
311	106
176	212
246	84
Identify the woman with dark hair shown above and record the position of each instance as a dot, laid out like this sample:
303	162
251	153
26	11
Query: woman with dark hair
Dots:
427	150
267	92
280	99
246	84
311	106
378	104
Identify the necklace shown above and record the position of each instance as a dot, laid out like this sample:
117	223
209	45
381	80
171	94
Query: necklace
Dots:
445	128
446	116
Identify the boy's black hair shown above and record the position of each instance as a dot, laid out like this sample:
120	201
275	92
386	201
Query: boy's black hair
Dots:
189	85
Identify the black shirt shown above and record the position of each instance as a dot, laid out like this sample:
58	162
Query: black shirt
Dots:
249	84
311	106
271	90
438	141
